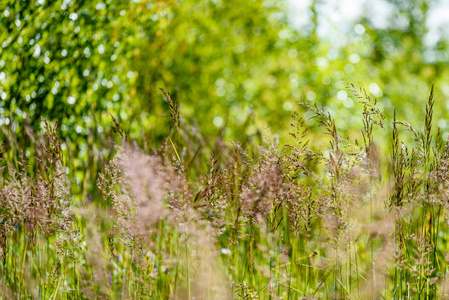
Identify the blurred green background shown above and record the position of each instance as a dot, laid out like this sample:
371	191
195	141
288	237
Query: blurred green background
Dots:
234	67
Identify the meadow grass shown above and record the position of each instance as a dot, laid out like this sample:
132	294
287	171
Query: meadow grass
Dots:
234	221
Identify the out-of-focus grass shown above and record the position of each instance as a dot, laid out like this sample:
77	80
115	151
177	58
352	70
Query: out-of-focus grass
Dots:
252	221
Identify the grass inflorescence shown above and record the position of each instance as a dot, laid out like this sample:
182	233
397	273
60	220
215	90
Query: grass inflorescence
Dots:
233	221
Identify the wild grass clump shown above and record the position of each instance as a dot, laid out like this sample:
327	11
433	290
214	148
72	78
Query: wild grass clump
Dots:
235	221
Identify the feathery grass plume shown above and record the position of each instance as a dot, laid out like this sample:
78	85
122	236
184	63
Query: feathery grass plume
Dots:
141	181
174	112
427	136
41	204
336	159
398	166
300	157
325	120
149	193
265	192
210	202
118	129
33	212
371	116
133	184
299	164
238	174
262	194
336	162
422	193
424	139
141	206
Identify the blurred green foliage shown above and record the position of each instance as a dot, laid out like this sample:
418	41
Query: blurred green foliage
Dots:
233	66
